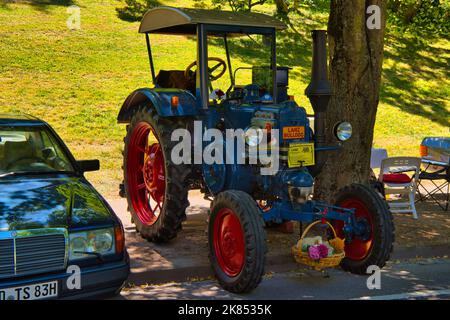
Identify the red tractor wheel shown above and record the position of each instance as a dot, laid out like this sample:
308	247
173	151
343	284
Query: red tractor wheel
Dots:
155	188
237	241
372	213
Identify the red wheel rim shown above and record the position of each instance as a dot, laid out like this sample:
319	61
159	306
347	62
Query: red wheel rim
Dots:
358	249
228	239
146	173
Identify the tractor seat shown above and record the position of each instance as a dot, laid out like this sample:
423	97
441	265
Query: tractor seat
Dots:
176	79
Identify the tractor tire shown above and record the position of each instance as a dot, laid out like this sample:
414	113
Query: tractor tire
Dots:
377	247
150	176
237	241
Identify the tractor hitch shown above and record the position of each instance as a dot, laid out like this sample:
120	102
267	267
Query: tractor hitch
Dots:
312	211
308	212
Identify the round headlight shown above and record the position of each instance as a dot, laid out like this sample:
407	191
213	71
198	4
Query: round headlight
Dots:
83	243
343	131
78	245
253	136
102	241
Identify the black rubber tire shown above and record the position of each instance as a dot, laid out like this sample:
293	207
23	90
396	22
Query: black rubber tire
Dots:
245	208
176	193
383	224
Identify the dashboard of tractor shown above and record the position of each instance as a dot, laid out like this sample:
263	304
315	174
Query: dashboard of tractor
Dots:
242	53
261	88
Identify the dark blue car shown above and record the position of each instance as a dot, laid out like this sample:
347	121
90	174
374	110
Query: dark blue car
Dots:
58	237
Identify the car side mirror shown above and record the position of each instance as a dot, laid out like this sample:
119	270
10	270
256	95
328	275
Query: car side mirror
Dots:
88	165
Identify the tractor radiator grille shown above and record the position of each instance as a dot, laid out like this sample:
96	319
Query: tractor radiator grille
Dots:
32	255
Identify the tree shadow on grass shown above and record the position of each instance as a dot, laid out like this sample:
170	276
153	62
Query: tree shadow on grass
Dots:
42	5
134	10
416	61
293	50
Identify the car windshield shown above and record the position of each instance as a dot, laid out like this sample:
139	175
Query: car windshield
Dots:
31	150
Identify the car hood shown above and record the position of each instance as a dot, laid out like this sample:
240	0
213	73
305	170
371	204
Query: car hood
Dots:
50	202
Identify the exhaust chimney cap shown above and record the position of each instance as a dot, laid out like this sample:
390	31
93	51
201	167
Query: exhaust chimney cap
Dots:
319	85
319	90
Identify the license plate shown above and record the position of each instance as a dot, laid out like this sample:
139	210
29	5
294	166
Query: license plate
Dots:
301	154
296	132
32	292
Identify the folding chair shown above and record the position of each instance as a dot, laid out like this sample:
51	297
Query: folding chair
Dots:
393	175
442	187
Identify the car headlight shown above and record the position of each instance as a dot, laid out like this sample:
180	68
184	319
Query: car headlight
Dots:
343	131
253	136
84	244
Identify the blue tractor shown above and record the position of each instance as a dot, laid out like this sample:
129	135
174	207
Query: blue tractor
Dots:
243	199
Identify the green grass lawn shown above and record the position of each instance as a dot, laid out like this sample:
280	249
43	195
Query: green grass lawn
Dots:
77	80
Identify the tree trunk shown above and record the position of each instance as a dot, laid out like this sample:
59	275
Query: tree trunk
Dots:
356	55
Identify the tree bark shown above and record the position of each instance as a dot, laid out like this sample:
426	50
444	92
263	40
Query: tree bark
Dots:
356	55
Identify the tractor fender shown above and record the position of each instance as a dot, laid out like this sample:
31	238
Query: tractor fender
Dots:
160	98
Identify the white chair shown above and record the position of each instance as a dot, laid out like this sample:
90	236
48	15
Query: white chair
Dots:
393	175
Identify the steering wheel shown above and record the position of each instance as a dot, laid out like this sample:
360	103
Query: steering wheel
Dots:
221	63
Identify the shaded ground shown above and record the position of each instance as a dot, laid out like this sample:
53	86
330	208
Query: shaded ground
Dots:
432	227
420	279
186	257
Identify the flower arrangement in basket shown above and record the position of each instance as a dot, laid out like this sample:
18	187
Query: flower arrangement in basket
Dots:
317	253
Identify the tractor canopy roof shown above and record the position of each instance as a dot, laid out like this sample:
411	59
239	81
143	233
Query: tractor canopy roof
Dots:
183	21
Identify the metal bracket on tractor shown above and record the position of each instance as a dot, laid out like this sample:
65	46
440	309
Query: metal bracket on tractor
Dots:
156	186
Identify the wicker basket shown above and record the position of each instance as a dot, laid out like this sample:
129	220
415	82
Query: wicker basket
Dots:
303	257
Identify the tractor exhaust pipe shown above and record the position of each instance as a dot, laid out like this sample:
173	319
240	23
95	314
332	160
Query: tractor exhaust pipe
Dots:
319	94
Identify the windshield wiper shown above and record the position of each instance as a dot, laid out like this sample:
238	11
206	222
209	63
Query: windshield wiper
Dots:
98	255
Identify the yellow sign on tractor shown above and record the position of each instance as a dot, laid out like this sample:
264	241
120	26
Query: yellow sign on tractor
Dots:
301	154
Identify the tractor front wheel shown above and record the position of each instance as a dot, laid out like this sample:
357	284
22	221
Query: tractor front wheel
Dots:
237	241
375	245
155	187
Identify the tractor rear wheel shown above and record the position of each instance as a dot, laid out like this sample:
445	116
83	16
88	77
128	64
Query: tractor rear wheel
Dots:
375	247
237	241
155	188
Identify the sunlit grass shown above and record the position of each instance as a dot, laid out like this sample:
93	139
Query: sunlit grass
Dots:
77	80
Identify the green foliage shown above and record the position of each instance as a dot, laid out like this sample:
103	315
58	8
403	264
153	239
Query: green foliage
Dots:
201	4
237	5
135	9
424	19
